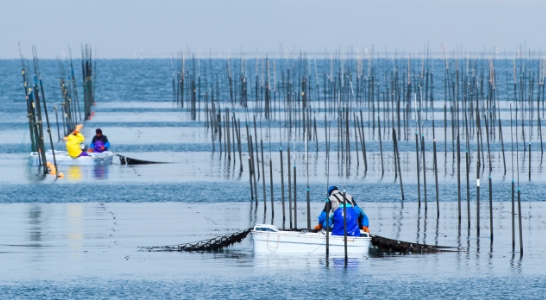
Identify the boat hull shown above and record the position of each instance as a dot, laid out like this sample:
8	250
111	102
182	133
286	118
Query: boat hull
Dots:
268	239
63	159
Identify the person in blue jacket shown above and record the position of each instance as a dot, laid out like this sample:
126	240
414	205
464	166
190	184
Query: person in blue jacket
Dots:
356	218
100	142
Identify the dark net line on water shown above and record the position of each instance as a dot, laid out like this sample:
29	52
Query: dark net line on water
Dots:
397	246
225	241
213	244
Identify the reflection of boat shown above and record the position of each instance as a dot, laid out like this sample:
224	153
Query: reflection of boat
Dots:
83	173
269	239
62	158
100	171
74	173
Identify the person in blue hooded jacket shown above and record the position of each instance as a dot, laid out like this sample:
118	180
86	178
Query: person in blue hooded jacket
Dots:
336	203
100	142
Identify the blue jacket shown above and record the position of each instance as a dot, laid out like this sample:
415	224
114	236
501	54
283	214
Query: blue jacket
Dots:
355	215
98	142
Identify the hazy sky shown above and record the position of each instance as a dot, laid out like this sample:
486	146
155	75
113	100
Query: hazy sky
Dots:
163	28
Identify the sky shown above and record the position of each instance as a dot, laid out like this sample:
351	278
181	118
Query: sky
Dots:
230	28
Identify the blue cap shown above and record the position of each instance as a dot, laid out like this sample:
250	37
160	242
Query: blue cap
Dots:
331	189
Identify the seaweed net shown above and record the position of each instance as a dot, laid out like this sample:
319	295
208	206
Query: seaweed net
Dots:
214	244
390	245
224	241
124	160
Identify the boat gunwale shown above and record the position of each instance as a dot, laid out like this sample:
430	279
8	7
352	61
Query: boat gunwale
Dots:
314	237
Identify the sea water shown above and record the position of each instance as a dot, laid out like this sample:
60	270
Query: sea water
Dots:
85	235
98	250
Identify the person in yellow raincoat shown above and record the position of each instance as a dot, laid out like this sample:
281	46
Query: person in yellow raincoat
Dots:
73	141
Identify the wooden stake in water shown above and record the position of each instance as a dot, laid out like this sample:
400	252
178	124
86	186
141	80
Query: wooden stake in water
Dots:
250	179
467	168
502	146
518	189
282	191
238	132
363	143
488	147
57	121
357	136
513	217
271	188
529	161
295	202
513	184
289	190
316	135
478	197
47	123
436	178
328	203
424	171
345	226
541	144
263	175
520	226
228	137
397	153
418	169
491	209
252	168
395	158
445	136
307	187
256	163
380	145
459	179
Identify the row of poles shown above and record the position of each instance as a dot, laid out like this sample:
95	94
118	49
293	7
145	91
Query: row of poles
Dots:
385	100
71	108
36	111
74	110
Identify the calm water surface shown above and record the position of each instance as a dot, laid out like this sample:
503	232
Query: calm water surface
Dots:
93	249
80	236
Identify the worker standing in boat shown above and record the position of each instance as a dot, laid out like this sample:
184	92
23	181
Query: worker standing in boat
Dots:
356	218
99	143
73	142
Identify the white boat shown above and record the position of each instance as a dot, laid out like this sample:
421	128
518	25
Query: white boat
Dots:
63	159
269	239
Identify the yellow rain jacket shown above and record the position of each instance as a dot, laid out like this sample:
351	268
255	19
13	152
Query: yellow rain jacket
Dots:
73	142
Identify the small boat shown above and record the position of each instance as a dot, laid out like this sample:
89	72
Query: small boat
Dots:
269	239
63	159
